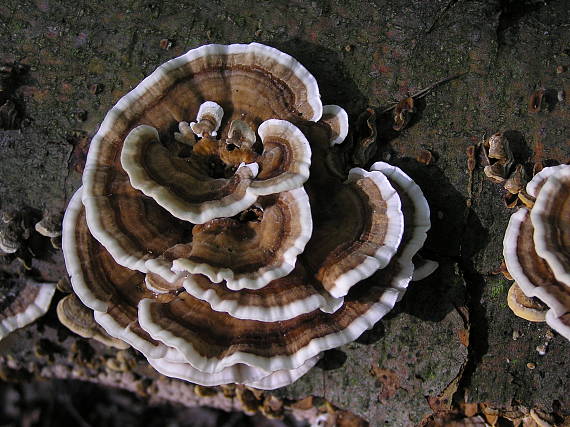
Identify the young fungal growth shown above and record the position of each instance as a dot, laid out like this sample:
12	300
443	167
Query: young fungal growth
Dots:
16	227
50	225
79	319
537	245
403	113
230	252
240	136
208	120
499	157
11	237
185	136
23	299
337	119
527	308
501	167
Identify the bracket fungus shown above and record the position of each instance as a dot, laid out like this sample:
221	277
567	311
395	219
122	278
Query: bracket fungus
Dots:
226	250
536	246
24	295
22	300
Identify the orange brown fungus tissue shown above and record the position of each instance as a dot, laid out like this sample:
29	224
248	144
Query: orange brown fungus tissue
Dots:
210	235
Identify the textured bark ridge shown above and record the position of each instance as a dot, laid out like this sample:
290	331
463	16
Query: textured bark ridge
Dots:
452	338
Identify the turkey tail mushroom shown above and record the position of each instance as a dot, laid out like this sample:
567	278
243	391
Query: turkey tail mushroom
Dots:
228	252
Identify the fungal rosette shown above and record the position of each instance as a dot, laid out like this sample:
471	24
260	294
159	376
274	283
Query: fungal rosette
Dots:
211	235
536	246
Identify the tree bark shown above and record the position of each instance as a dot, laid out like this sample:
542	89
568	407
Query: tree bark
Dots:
451	337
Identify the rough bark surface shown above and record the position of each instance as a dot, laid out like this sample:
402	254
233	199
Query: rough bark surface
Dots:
452	335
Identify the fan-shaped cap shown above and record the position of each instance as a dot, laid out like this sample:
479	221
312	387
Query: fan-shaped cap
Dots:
239	373
221	341
133	227
190	190
250	251
95	276
531	272
355	235
169	361
101	284
183	187
113	292
284	163
251	82
49	225
122	322
282	299
417	222
534	273
550	217
22	300
208	120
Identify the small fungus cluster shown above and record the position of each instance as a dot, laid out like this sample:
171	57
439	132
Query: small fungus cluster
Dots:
501	167
537	250
24	295
225	249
